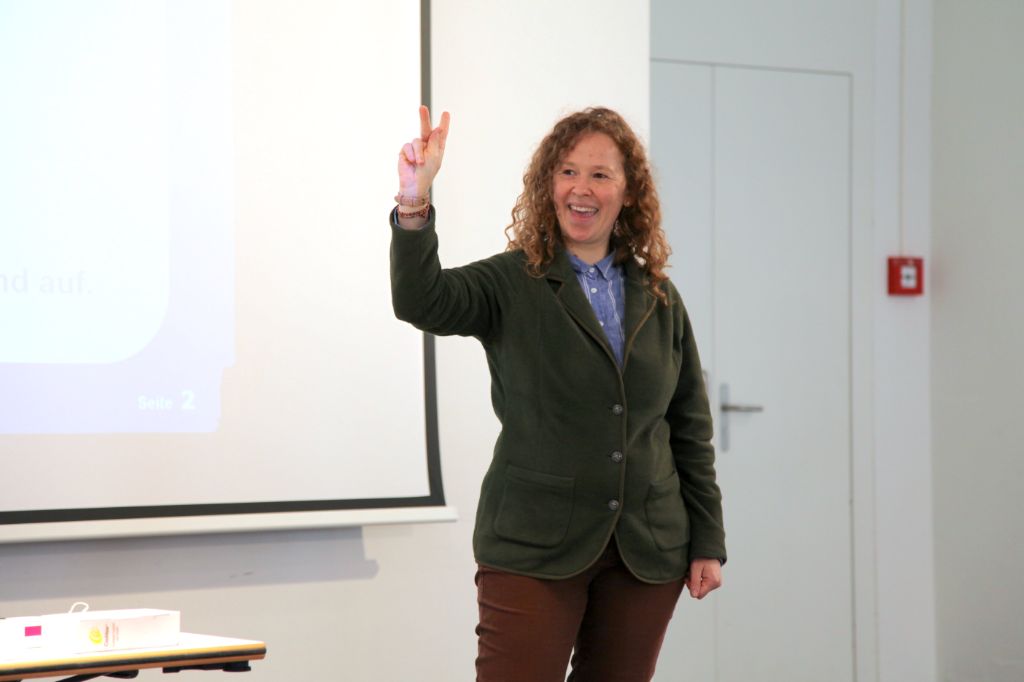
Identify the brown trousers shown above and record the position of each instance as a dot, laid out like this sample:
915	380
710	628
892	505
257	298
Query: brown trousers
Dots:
611	623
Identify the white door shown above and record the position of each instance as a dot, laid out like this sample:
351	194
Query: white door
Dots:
754	171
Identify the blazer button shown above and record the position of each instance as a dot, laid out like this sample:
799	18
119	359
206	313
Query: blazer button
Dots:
613	505
616	456
618	409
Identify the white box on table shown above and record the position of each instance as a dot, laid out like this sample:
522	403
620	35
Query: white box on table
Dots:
87	631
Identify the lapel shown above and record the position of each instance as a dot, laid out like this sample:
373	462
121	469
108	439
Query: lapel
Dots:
639	302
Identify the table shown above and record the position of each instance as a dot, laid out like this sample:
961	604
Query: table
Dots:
193	652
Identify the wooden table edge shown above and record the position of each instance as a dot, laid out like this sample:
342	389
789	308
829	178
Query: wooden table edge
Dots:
243	650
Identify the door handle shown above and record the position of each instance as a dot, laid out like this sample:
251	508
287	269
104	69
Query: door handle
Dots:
726	407
733	407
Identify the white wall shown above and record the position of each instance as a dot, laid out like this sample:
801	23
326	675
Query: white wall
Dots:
386	603
904	567
977	337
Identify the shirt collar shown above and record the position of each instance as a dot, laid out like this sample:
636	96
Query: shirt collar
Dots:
606	266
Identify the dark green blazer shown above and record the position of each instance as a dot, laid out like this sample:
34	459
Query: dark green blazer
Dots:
586	450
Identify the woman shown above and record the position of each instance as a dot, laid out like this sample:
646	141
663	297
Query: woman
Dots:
601	501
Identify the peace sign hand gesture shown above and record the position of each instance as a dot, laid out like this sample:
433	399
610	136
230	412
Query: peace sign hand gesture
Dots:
420	160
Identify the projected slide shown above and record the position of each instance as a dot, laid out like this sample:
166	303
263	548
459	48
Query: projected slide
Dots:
195	305
116	250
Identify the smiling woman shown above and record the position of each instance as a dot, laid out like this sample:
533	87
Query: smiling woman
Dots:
593	367
590	190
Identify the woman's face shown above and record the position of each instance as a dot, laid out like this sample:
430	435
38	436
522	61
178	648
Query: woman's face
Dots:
589	191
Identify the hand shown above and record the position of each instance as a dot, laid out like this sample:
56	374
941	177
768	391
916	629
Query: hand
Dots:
705	575
420	160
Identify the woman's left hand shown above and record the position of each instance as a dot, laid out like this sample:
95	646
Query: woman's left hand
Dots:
705	575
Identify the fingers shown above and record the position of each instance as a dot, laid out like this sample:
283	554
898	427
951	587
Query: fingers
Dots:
425	126
693	583
421	158
705	576
439	135
426	129
413	152
696	585
408	153
442	131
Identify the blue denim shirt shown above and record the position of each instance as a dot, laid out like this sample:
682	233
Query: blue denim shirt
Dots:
602	284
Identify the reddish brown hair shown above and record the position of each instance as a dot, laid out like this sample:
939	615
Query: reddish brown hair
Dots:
638	235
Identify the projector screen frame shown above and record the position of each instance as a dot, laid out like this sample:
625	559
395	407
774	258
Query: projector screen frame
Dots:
186	519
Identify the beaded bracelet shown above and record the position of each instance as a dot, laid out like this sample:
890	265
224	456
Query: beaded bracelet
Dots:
420	213
412	200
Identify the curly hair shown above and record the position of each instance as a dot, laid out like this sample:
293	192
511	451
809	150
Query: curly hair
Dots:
638	234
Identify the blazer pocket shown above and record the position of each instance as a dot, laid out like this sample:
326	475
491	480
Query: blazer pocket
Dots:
535	507
666	514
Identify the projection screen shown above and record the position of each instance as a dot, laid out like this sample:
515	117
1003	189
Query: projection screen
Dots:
195	321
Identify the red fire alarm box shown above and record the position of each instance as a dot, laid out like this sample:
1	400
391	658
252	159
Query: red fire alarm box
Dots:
906	276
